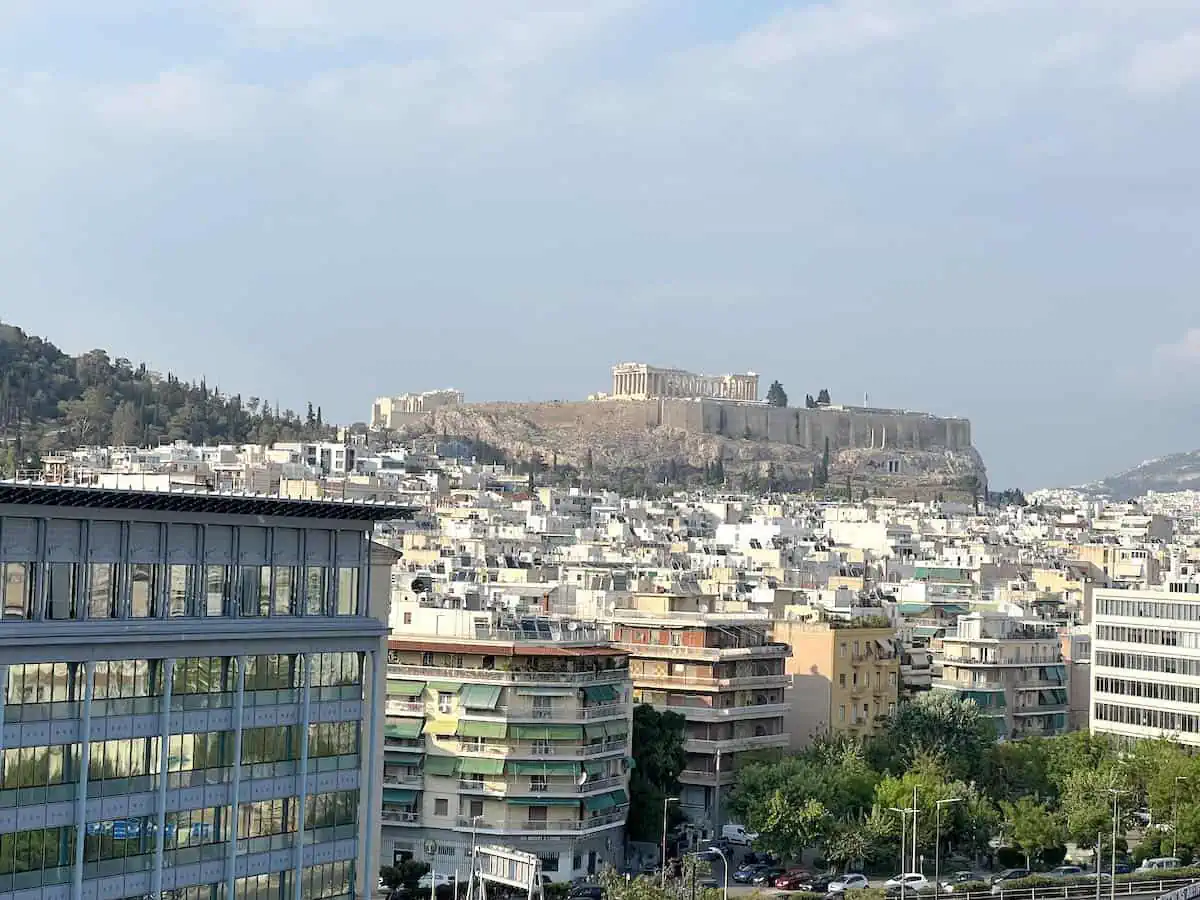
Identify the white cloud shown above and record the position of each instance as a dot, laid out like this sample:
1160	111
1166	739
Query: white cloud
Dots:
185	103
1165	66
1182	355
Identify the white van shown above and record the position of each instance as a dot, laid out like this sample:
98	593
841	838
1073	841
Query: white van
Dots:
1159	862
737	834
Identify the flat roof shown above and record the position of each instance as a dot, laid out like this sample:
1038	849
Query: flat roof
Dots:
184	501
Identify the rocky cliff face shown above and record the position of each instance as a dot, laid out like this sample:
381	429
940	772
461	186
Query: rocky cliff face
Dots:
619	440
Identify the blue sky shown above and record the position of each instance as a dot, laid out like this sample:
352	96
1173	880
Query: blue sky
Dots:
984	208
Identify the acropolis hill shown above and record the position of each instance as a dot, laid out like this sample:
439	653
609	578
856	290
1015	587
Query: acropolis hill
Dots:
667	424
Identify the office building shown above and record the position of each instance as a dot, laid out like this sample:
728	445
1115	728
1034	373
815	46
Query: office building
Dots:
1146	663
183	679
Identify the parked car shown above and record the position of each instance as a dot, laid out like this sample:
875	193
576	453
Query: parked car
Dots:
792	879
745	874
738	835
1065	872
818	884
1009	875
850	881
707	884
767	875
1159	863
708	854
908	882
955	880
425	882
586	892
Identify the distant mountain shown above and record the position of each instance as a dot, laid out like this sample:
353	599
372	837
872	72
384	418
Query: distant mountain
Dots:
1176	472
50	400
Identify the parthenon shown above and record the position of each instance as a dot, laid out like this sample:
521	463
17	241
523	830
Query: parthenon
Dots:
639	381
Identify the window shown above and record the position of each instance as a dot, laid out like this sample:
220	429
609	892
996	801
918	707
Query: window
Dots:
891	679
445	702
841	713
256	591
18	590
216	589
427	658
60	591
143	596
285	590
542	708
476	809
842	680
347	595
538	783
408	618
179	592
441	806
314	603
842	650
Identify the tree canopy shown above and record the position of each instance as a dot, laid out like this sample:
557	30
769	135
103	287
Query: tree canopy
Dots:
658	751
776	395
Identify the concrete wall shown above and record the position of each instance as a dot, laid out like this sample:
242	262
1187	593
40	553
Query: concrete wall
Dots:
845	428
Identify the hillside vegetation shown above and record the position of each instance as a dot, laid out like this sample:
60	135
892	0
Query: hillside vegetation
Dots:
50	400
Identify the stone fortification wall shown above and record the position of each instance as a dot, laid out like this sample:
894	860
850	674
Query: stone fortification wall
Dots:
846	428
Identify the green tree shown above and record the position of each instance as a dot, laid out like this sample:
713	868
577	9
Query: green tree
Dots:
776	395
657	744
1087	804
1032	827
935	724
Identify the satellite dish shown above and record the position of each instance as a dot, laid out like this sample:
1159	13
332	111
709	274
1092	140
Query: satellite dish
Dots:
572	626
583	777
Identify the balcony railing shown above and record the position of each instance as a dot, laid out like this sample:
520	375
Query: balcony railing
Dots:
736	743
397	817
539	714
739	681
712	714
549	825
555	749
393	780
600	676
398	707
524	788
714	654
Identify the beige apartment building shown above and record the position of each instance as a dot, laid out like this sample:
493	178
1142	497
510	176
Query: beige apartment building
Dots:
845	675
1013	669
506	729
721	671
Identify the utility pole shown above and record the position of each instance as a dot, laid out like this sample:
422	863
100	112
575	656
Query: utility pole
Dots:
1112	884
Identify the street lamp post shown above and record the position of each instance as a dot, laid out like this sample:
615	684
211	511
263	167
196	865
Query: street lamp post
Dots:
1175	825
662	880
725	866
937	841
1112	885
903	840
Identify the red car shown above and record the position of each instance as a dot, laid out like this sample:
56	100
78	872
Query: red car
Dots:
792	879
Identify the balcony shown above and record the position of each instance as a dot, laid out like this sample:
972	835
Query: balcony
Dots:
780	679
726	714
399	817
395	780
730	745
535	714
518	750
527	826
405	707
705	778
709	654
525	789
499	676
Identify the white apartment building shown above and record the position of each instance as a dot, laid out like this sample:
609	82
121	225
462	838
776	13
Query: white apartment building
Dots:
1146	663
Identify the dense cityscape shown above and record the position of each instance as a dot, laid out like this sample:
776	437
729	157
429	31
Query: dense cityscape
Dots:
418	654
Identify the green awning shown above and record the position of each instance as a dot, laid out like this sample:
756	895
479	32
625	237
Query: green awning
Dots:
600	693
544	768
631	762
398	795
541	801
594	731
545	691
927	631
450	687
480	696
595	768
620	797
599	803
405	688
406	758
443	766
619	728
474	765
471	728
547	732
404	728
912	609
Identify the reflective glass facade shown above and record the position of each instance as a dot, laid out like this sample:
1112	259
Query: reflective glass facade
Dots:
181	703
